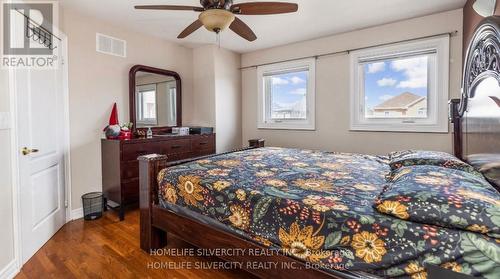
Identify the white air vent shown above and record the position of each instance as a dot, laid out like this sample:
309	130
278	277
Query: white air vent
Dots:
109	45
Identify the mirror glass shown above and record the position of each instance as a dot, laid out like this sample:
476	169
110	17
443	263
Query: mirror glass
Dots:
482	129
484	8
155	100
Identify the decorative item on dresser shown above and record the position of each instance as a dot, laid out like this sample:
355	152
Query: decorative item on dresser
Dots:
120	168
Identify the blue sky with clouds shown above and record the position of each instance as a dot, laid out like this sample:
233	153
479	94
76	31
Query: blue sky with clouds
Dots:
288	89
384	80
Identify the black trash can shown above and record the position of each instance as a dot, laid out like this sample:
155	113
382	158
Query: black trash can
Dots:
93	205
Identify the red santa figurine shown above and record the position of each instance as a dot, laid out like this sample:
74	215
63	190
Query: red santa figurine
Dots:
112	131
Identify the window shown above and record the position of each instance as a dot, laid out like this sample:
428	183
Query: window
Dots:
402	87
286	95
146	100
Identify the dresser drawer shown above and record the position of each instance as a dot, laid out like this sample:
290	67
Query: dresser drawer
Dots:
205	152
130	191
188	155
174	157
132	151
176	146
203	143
129	169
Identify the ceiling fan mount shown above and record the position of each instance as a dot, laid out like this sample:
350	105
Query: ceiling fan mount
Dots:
217	15
214	4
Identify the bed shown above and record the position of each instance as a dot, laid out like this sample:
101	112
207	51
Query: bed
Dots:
335	215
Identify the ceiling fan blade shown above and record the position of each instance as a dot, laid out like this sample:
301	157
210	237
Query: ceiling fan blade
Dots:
240	28
264	8
190	29
169	7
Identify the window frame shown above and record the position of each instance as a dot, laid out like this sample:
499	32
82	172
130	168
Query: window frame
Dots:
140	90
264	100
438	91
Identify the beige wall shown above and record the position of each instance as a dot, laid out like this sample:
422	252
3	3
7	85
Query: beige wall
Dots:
217	87
332	89
228	100
96	81
203	110
6	214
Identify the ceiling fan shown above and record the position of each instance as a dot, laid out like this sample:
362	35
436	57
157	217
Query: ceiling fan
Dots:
217	15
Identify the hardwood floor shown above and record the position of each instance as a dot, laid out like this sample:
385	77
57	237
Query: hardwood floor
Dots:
107	248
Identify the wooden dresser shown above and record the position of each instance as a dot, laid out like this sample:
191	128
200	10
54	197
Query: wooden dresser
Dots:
120	168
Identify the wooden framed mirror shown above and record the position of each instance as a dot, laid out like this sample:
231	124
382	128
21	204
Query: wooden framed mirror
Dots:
155	98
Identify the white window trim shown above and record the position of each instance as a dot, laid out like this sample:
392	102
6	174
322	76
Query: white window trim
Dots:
437	122
310	122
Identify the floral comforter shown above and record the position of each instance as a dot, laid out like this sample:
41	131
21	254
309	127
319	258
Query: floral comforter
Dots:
319	207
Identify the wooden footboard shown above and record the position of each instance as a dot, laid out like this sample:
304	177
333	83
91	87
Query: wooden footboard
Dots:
150	165
155	221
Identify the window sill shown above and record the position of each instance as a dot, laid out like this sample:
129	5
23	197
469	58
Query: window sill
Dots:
282	126
400	129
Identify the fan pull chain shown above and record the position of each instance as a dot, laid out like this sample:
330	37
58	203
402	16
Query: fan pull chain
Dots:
218	39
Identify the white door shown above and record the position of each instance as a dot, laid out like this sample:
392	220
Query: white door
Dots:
40	118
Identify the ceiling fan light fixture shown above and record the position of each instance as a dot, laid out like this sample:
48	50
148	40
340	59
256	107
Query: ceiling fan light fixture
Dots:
218	15
216	20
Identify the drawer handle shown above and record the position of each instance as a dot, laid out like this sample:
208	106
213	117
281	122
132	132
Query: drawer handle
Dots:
204	142
176	146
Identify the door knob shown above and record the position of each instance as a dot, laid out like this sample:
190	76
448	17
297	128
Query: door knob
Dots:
27	151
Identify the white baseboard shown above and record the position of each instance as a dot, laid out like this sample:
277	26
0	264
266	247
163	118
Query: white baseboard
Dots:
77	213
9	271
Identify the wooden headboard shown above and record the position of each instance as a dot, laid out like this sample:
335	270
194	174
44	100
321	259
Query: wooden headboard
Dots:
477	116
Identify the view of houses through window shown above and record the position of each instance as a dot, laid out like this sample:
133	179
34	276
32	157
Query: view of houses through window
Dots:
396	88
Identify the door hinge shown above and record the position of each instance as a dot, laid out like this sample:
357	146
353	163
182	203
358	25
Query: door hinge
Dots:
66	204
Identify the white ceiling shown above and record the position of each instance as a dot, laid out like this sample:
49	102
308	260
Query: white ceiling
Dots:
315	18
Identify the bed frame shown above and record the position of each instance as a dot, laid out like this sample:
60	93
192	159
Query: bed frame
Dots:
476	122
476	116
